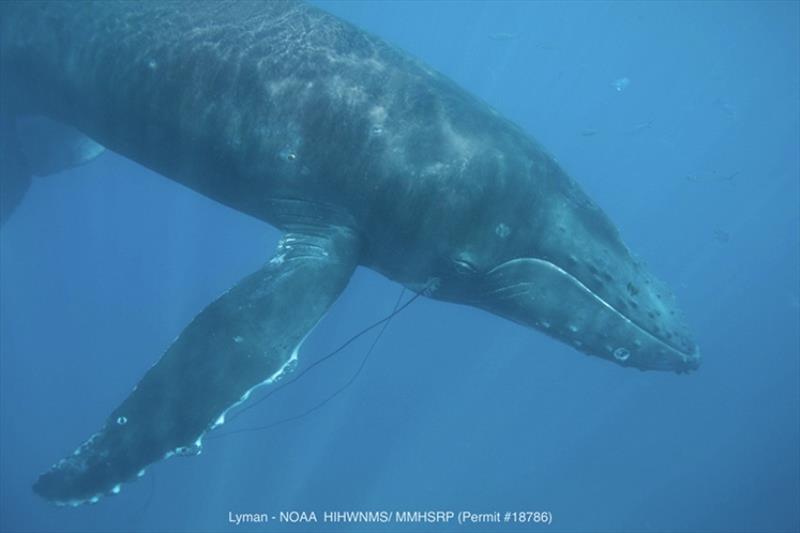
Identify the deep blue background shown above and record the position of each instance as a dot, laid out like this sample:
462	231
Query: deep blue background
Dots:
102	267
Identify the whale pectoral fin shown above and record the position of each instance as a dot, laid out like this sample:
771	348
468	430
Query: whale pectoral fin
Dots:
34	145
50	146
249	336
15	173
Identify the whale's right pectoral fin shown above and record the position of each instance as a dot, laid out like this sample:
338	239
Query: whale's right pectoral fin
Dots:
249	336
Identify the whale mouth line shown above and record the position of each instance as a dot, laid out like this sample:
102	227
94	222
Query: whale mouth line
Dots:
548	264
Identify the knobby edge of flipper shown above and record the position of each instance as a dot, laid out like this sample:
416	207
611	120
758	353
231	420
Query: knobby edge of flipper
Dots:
248	337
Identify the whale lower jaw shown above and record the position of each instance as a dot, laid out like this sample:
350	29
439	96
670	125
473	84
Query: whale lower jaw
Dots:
687	356
538	293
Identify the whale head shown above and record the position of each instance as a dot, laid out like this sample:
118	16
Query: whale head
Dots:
539	252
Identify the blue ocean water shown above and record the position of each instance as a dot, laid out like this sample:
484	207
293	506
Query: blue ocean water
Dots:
682	120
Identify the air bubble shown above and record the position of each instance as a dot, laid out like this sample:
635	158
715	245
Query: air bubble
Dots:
621	84
121	420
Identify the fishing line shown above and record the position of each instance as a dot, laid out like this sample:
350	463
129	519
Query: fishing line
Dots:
426	291
341	389
384	321
324	358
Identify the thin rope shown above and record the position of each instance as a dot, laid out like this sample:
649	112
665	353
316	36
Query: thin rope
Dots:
341	389
384	321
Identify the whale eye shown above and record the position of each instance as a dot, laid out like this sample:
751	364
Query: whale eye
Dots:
288	155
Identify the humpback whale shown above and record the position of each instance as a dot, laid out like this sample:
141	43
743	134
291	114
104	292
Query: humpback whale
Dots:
358	153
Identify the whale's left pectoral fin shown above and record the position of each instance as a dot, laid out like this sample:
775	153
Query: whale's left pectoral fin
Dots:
36	146
249	336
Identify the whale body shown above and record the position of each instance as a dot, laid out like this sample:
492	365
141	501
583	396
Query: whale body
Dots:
359	153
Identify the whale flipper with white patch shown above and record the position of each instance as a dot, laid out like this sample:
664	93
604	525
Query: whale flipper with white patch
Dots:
246	338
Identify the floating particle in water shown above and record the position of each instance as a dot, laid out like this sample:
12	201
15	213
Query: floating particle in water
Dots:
641	126
502	36
721	236
621	84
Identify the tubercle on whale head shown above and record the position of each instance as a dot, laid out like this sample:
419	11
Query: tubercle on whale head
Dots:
540	294
547	257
